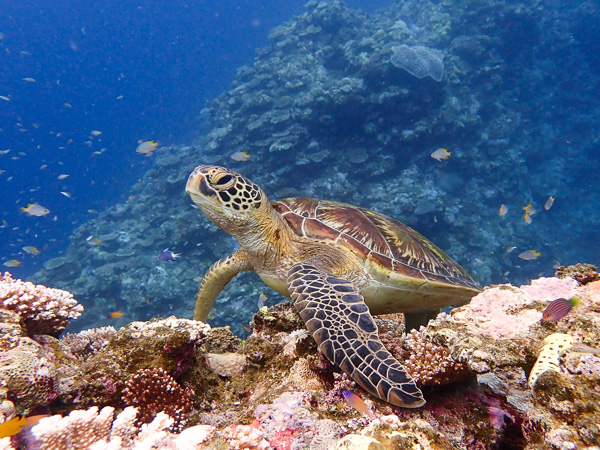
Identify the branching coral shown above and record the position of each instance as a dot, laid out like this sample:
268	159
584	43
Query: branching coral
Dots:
97	430
42	310
429	363
153	391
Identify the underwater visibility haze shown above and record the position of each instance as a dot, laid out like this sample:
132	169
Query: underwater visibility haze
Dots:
473	122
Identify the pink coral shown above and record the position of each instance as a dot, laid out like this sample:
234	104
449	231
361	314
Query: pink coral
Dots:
504	311
42	310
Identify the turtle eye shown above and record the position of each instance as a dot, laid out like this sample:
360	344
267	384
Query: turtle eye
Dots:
225	179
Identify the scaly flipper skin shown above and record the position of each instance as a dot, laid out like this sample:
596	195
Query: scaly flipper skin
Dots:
339	320
216	278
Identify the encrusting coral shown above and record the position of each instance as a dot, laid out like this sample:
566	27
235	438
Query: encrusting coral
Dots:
42	310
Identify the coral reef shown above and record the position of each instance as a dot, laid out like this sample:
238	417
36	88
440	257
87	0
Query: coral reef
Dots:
152	391
275	390
42	310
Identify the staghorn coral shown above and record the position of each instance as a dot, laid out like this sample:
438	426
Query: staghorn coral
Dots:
42	310
154	391
431	364
88	342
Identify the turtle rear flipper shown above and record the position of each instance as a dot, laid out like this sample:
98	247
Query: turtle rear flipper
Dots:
339	320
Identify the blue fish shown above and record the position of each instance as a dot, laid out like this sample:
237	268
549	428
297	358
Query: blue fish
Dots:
168	256
558	309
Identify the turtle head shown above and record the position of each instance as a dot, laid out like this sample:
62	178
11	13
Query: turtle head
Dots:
226	197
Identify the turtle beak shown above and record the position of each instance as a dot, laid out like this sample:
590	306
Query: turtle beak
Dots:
197	186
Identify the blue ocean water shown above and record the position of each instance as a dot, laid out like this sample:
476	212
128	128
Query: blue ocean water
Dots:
131	70
82	83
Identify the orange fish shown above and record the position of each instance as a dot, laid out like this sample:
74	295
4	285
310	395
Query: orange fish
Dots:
11	427
357	403
115	315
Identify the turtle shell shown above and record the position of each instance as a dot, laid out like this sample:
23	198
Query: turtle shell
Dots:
384	244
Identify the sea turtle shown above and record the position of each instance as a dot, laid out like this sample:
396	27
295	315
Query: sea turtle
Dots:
339	264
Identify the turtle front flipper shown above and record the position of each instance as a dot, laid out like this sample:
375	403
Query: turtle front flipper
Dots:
341	324
216	278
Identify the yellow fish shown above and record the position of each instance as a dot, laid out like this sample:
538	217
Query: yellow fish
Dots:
440	154
11	427
527	218
262	299
240	156
147	147
31	250
33	209
528	255
93	241
549	203
503	210
13	263
529	209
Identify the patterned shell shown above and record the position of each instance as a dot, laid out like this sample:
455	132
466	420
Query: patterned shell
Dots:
370	235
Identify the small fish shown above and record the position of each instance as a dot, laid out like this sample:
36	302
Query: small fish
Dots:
33	209
168	256
67	105
11	427
357	403
62	176
529	209
440	154
528	255
240	156
503	210
93	241
13	263
147	147
29	79
93	211
262	299
549	203
527	218
96	133
31	250
4	152
5	98
115	315
510	248
558	309
66	194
